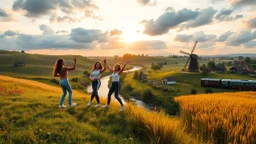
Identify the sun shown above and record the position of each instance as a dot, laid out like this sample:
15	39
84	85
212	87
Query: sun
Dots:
129	35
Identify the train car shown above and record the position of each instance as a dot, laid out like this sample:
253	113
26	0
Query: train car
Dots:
210	82
242	84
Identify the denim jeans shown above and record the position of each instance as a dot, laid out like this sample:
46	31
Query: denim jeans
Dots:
64	83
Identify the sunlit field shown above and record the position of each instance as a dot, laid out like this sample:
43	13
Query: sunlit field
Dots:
222	118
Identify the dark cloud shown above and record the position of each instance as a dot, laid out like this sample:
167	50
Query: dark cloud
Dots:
3	13
115	32
6	15
82	35
226	15
224	36
61	31
55	18
37	8
183	38
148	45
204	40
242	2
169	19
79	38
8	33
205	17
251	44
146	2
243	37
252	23
46	30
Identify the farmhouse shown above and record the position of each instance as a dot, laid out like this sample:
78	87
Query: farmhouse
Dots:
169	80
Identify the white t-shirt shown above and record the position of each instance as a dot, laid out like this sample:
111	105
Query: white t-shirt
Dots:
115	77
96	74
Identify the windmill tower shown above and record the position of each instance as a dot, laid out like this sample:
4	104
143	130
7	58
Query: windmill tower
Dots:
192	60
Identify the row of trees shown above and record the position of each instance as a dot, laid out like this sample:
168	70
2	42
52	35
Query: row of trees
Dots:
129	56
158	66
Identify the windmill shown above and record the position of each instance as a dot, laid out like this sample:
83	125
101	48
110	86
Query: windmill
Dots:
192	60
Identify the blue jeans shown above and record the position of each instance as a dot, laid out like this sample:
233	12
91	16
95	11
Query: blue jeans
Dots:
64	83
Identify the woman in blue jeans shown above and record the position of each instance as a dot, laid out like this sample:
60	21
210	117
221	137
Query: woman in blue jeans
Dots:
60	70
97	69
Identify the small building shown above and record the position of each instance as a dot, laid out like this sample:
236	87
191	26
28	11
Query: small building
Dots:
169	80
19	64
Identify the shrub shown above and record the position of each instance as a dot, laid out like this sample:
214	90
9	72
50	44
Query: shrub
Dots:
148	96
75	79
193	91
208	90
55	81
86	73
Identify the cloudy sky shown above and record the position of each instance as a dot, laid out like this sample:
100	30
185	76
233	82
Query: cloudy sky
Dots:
115	27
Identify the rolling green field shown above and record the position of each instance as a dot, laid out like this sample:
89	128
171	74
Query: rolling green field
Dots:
33	117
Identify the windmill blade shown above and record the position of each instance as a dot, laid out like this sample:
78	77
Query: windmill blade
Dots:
187	62
184	52
193	47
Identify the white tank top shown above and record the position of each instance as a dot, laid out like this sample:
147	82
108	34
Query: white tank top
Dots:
96	74
115	77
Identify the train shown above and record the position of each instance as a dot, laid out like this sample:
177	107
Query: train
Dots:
229	83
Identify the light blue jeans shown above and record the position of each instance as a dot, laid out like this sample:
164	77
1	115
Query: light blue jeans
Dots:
64	83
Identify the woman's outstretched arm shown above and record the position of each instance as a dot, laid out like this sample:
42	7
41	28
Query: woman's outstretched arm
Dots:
74	66
121	71
104	68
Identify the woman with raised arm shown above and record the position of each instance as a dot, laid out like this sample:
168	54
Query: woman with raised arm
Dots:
97	69
60	70
115	88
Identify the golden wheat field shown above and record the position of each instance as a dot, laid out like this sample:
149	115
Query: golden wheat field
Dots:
221	118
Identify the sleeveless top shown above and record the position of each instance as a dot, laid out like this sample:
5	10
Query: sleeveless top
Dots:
96	74
115	77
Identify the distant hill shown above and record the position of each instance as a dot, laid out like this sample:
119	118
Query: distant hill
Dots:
38	65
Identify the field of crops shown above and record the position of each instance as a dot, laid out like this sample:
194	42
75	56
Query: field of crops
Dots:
221	118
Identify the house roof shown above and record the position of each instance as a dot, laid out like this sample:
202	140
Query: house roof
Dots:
170	78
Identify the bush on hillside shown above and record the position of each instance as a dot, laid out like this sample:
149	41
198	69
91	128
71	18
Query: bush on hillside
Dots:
148	96
208	90
193	91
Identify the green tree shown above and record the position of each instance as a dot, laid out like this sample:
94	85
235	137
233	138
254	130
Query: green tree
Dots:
211	65
86	73
248	60
136	75
155	67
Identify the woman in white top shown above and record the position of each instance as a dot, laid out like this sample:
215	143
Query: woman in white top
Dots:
116	72
97	69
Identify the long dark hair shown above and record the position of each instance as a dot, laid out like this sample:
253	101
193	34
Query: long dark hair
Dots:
94	66
57	66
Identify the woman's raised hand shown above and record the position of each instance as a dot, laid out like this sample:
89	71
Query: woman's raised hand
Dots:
105	61
127	62
74	59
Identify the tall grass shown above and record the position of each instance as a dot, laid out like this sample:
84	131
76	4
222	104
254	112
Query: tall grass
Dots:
33	117
222	118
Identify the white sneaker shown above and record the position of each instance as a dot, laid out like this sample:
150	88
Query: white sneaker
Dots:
73	104
97	105
89	103
122	108
61	106
105	106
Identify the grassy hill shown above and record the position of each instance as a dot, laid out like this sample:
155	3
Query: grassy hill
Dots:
29	114
39	65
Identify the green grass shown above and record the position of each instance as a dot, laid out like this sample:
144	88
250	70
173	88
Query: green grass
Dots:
33	117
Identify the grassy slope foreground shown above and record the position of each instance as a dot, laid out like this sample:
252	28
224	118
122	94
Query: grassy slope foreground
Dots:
33	117
222	118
